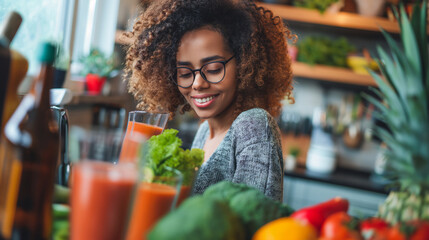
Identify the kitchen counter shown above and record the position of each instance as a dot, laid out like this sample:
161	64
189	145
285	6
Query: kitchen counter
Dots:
344	177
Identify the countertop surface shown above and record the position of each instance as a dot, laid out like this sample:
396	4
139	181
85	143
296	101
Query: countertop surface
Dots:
345	177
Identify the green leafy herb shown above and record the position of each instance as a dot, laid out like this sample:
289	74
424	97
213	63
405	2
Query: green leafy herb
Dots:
323	50
165	150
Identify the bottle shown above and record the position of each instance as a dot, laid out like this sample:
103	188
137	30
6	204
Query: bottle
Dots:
28	167
13	67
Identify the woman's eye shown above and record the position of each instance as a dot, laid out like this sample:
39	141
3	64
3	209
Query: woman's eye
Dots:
214	71
184	74
213	68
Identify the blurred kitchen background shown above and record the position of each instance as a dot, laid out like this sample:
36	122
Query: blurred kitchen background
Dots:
328	144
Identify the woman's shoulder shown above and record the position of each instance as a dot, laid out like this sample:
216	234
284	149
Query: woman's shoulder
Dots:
255	120
253	116
254	113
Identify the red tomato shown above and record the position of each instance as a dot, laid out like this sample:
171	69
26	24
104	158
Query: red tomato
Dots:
413	230
393	233
338	227
421	231
373	228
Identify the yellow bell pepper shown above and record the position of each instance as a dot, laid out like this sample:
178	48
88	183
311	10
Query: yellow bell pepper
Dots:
286	228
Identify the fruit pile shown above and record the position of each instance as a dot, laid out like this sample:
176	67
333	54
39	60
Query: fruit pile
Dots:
330	221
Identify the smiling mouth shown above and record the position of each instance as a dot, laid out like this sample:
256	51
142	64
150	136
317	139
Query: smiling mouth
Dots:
203	100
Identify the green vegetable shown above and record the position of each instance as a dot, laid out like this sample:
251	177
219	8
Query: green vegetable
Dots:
199	218
60	223
255	210
253	207
61	230
323	50
243	207
165	150
225	190
320	5
60	211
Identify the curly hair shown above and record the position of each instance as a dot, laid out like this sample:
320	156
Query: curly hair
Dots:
254	35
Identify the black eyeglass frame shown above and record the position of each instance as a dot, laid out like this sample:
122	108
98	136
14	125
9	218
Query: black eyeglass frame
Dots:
201	73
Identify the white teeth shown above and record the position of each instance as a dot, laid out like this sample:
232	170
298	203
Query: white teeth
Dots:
203	100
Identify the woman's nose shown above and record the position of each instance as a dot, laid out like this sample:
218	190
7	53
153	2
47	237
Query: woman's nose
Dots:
199	82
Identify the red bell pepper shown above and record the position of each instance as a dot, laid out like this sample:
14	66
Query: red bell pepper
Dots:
317	214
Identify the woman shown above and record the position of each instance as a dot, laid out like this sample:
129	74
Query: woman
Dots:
226	60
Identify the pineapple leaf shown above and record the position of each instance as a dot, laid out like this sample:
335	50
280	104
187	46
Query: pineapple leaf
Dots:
419	162
376	103
388	93
402	62
415	20
419	116
394	75
387	138
389	69
423	40
396	13
410	44
393	46
419	24
405	106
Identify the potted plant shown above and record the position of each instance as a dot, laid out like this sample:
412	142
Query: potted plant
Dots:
290	161
97	67
404	108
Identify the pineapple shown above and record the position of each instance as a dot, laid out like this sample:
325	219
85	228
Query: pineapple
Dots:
405	110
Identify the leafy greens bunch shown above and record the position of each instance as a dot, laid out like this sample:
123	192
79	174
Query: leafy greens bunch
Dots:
165	150
324	50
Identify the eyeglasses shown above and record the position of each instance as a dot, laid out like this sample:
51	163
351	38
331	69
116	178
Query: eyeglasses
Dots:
212	72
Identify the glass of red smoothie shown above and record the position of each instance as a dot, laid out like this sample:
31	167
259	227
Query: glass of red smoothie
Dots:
145	123
102	188
155	196
100	197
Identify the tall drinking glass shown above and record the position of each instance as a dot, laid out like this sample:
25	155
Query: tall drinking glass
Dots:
145	123
155	196
101	188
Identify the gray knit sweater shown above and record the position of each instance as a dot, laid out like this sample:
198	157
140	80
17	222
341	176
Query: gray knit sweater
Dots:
250	153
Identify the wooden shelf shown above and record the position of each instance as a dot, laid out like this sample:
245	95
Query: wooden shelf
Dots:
341	19
80	99
331	74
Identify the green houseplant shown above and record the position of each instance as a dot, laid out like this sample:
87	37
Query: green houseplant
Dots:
97	67
291	158
405	110
320	5
324	50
